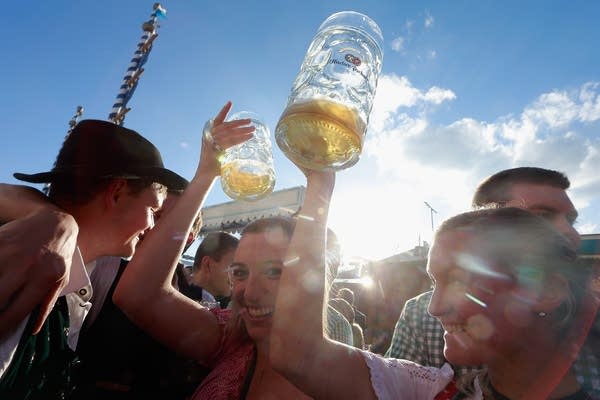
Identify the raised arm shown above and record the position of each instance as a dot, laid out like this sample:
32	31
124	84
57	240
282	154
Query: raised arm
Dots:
17	201
145	292
318	366
36	249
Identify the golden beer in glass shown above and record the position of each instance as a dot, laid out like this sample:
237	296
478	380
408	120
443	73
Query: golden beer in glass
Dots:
327	113
247	179
320	134
247	171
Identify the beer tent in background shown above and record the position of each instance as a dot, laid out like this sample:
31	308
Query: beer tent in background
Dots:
234	215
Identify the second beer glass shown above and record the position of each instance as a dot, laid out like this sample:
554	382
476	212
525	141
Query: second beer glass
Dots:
326	117
247	171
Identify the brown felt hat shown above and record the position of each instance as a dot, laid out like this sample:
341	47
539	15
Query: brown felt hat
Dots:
101	149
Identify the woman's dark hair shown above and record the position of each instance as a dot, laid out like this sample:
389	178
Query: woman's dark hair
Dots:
284	224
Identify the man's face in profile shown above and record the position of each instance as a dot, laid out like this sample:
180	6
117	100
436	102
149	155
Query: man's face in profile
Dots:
549	202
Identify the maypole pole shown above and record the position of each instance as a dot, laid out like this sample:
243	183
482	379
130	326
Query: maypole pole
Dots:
72	123
135	70
74	120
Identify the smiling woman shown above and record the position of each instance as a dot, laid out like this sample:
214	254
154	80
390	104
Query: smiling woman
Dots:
255	272
233	343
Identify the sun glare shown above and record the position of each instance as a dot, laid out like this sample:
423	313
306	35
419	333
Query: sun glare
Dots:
375	224
367	282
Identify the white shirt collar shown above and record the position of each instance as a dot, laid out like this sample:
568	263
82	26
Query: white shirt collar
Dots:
79	280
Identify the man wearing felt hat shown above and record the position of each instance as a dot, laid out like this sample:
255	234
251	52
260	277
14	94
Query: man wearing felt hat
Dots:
111	181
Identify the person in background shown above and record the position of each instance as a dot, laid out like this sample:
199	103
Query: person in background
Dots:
338	327
211	263
357	329
348	295
182	279
396	281
344	308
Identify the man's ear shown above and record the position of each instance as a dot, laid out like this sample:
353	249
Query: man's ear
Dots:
114	191
206	264
555	292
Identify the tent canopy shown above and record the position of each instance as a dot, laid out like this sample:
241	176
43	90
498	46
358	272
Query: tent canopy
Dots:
234	215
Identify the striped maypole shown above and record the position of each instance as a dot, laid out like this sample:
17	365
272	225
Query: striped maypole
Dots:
74	120
72	123
135	70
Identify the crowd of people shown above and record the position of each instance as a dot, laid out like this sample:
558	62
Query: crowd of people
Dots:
95	304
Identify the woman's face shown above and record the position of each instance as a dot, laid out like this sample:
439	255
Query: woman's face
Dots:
482	310
255	274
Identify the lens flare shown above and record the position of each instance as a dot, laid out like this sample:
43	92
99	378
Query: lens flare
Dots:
475	300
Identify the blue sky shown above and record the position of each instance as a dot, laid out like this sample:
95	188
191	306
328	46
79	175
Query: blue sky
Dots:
467	88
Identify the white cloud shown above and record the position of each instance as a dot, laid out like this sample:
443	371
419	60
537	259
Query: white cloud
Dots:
585	180
429	20
590	99
398	44
438	95
558	109
184	145
587	228
558	130
395	92
554	110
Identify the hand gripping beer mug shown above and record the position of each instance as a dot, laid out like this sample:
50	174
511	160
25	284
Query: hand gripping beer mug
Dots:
247	171
327	113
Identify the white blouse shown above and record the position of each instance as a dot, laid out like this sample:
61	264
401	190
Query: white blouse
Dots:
394	379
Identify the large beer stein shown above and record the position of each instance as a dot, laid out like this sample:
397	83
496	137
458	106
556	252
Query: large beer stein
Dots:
247	171
327	113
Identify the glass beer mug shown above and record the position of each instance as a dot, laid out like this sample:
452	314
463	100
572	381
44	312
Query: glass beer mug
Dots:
247	171
327	113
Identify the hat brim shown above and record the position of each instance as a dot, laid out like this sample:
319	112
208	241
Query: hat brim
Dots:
41	177
163	176
167	177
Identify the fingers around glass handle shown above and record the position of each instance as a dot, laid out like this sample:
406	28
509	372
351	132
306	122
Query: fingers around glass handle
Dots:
206	132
